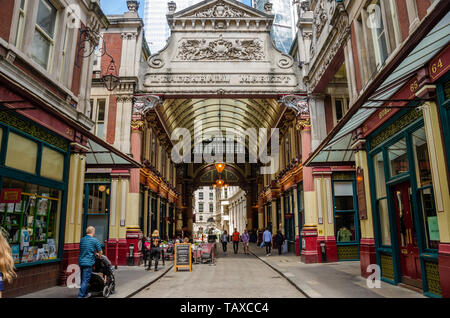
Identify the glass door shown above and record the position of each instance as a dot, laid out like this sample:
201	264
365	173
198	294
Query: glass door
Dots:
409	251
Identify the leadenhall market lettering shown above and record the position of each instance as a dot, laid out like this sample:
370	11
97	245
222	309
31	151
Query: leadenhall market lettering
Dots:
215	79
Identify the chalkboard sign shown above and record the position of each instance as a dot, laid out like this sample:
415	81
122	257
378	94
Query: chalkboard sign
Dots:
183	256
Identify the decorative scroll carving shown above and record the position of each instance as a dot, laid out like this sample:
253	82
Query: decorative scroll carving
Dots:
286	61
155	61
221	50
222	10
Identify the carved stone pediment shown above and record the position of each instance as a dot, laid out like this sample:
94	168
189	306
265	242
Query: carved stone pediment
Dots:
220	45
219	9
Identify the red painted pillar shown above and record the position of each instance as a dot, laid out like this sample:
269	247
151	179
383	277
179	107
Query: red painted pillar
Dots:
308	234
367	255
444	268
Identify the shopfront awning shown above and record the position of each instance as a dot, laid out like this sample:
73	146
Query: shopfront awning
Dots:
336	148
100	156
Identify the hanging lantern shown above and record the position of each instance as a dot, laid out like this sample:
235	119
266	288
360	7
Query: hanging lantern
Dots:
220	183
220	166
110	79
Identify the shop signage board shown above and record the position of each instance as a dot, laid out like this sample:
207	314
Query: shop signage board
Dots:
11	196
440	64
183	256
361	193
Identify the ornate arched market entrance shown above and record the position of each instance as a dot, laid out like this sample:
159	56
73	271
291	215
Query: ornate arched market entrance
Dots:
220	70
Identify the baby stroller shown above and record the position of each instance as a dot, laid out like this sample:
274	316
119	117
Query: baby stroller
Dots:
102	280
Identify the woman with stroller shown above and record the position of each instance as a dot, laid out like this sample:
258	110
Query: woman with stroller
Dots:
155	250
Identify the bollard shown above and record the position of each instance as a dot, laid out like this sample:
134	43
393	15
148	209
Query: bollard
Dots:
117	253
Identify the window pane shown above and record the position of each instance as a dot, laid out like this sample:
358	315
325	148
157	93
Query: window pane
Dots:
380	180
21	153
398	159
422	162
343	196
52	165
41	49
430	218
46	17
339	109
100	128
101	110
383	214
100	223
345	225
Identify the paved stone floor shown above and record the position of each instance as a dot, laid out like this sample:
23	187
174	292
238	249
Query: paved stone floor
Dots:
330	280
233	276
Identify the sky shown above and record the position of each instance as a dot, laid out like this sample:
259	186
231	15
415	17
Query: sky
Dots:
119	7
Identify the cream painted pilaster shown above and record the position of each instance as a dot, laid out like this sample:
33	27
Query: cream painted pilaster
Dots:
438	169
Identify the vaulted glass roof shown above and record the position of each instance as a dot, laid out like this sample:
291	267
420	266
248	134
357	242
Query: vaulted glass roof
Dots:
212	114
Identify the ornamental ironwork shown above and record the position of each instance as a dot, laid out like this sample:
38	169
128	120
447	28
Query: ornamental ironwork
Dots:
145	103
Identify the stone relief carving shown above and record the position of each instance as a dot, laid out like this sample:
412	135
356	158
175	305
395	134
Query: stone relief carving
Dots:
320	18
222	10
221	50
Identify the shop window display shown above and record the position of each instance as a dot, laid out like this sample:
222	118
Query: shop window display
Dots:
398	158
345	223
32	222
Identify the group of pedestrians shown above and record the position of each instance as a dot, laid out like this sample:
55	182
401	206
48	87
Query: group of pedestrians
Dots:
267	241
236	238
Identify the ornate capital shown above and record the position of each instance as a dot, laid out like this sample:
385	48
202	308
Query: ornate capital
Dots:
303	122
137	124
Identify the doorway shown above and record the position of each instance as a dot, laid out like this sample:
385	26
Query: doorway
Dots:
407	237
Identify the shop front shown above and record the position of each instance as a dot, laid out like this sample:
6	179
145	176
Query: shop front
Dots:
406	225
289	219
346	222
33	184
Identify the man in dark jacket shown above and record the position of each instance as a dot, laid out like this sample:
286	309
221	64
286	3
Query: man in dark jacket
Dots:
279	240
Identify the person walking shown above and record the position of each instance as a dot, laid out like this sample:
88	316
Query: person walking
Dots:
89	246
236	237
245	237
224	240
267	239
155	250
146	251
279	240
7	271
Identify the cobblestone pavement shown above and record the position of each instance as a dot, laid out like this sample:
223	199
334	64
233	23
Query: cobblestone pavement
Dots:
233	276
